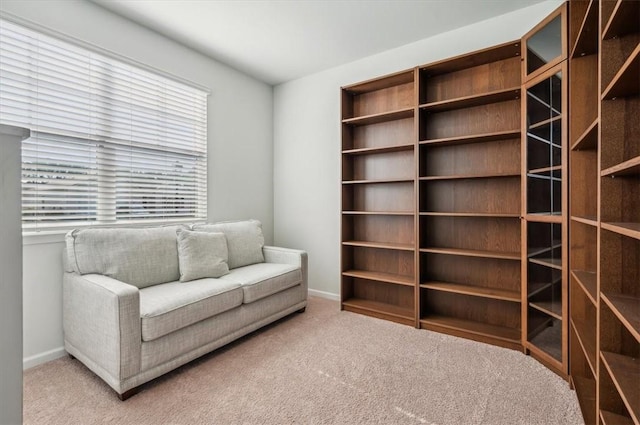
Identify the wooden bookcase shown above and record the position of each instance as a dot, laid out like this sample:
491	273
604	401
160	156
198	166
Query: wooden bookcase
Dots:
618	368
605	209
545	193
584	127
469	195
496	196
378	198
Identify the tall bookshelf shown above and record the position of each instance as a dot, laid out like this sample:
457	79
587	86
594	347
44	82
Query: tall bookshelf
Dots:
545	192
618	393
605	209
469	195
496	196
378	198
584	200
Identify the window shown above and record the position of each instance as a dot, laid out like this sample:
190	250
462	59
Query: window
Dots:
111	143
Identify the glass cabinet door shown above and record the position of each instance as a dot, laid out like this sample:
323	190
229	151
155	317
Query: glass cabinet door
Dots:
544	46
544	264
544	146
546	236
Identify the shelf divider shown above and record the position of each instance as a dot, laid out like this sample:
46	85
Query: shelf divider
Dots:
587	343
586	392
626	81
631	230
510	93
630	167
554	263
381	181
381	245
544	218
535	288
380	277
474	138
587	41
400	314
470	176
395	79
627	310
471	214
588	140
382	149
476	291
477	328
474	253
625	374
407	213
623	20
588	282
551	308
380	117
610	418
588	220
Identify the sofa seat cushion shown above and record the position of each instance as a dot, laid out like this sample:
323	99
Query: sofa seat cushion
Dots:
171	306
261	280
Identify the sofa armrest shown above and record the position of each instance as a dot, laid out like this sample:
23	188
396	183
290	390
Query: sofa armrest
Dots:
101	321
274	254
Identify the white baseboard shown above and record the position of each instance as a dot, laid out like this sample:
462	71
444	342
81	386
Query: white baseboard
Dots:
38	359
323	294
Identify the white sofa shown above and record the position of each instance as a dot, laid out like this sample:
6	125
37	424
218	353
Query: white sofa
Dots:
128	316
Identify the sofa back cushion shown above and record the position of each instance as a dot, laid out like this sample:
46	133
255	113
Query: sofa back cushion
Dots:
141	257
244	240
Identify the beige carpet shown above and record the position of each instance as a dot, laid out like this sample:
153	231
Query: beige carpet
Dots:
320	367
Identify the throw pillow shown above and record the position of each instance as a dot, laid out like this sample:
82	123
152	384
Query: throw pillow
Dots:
244	239
201	254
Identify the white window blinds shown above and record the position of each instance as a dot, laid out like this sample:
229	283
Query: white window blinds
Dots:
111	143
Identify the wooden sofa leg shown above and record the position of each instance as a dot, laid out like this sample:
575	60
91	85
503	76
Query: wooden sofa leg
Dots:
302	310
125	395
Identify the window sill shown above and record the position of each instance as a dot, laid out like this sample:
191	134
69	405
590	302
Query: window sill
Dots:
57	236
38	238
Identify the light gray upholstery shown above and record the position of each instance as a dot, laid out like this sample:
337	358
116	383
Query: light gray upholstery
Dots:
172	345
264	279
139	257
244	240
175	305
202	254
102	316
129	335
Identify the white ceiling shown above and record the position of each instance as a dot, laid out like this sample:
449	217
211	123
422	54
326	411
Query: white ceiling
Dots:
281	40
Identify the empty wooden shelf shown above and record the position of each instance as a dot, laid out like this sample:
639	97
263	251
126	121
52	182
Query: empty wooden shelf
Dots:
588	281
469	195
478	291
499	335
378	198
379	309
625	374
380	277
586	391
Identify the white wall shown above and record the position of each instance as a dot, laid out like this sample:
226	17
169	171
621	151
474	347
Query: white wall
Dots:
307	136
240	148
10	276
